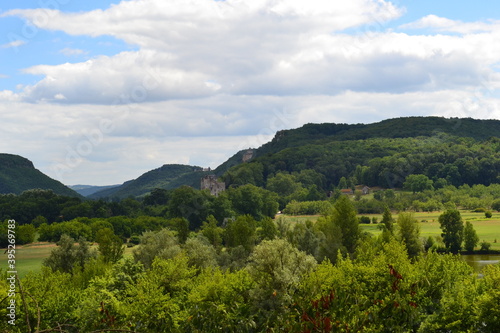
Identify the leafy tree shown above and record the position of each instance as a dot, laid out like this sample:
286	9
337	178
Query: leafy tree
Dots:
470	237
409	234
254	201
283	184
452	226
267	229
67	256
344	216
387	220
418	183
342	183
193	205
26	234
111	246
277	267
162	244
157	196
200	252
496	205
241	232
212	232
328	235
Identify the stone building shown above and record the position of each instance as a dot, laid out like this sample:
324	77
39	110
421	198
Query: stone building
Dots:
211	183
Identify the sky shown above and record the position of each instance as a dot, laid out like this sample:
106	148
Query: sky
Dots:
99	92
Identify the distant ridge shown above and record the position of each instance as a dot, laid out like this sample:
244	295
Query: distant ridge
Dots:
404	127
18	174
171	176
162	177
87	190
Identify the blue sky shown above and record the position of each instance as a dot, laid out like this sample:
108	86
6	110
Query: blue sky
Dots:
99	92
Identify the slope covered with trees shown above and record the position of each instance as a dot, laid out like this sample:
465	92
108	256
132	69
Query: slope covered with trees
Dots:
18	174
165	177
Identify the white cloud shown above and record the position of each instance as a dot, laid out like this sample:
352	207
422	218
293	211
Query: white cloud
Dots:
445	24
98	144
211	77
13	44
201	48
72	52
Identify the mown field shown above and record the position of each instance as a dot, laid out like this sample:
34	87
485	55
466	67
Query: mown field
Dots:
487	229
29	257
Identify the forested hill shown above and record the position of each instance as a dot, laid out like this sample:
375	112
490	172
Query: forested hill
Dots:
168	176
405	127
453	151
447	151
18	174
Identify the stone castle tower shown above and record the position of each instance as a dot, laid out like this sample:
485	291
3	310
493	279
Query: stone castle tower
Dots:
211	183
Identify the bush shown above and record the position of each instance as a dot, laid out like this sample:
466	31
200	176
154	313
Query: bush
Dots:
488	214
135	239
364	220
485	246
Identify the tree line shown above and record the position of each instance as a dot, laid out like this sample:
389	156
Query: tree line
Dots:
249	275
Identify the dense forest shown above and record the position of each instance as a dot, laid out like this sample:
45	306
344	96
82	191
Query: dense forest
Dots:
178	259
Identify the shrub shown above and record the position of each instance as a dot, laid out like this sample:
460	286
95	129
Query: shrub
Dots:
364	220
485	246
488	214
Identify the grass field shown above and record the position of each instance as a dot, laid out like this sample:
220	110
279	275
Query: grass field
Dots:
30	257
487	229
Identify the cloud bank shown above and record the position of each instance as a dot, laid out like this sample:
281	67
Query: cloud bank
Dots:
228	74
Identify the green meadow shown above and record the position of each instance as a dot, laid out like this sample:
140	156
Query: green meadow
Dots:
487	229
30	257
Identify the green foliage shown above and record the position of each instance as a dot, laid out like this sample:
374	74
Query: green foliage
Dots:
17	174
191	204
387	220
496	205
409	234
417	183
452	226
254	201
266	229
241	232
277	268
212	232
26	234
200	252
66	257
308	208
344	216
485	246
470	237
488	214
110	246
160	244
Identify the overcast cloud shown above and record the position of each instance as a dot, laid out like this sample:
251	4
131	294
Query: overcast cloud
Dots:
205	78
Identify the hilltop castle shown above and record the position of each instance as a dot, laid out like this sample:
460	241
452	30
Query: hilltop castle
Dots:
211	183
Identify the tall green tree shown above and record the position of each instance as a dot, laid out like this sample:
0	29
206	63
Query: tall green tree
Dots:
470	237
68	256
388	220
409	234
110	245
453	228
418	183
344	216
241	232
